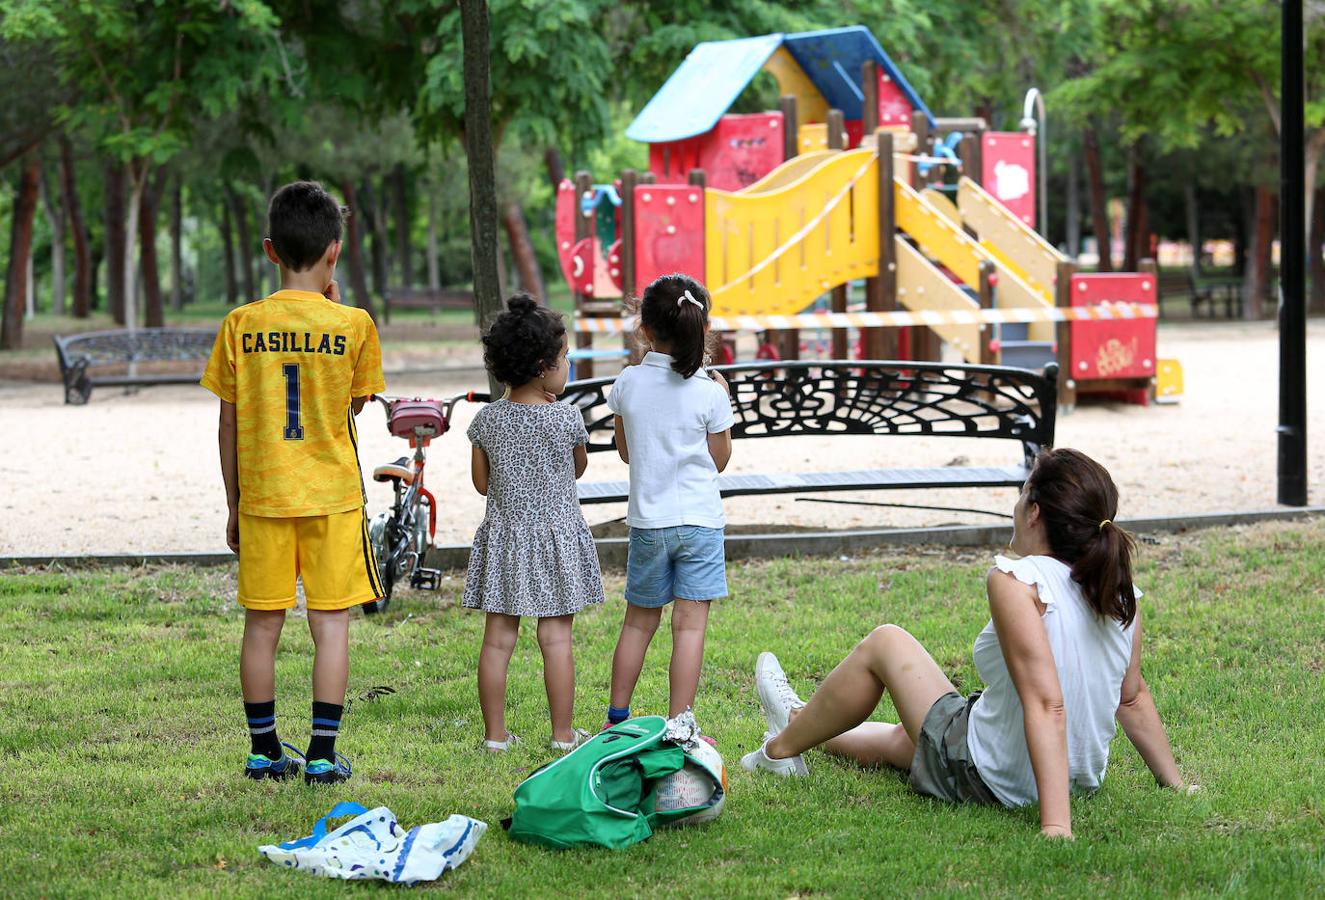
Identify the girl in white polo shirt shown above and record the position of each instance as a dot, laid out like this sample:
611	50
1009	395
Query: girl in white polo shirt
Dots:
673	427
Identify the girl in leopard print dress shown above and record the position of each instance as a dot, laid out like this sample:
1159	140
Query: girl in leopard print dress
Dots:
533	555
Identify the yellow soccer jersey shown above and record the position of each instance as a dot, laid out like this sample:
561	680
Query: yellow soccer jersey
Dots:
291	364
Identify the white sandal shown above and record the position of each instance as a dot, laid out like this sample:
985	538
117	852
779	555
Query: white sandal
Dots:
502	746
580	736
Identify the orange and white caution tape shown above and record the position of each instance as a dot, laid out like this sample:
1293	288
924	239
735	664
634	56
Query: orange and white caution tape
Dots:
1102	312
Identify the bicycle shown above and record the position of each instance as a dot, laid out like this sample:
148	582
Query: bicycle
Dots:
400	536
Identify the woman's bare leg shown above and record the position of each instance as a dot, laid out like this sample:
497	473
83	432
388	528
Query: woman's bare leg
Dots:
873	744
888	658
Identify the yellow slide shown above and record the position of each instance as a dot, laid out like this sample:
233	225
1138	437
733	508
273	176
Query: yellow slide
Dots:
813	223
946	241
1005	236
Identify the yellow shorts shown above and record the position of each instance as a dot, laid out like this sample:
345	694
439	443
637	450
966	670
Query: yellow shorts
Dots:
330	554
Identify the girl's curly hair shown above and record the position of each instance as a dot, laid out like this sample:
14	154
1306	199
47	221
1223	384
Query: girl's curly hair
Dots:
523	342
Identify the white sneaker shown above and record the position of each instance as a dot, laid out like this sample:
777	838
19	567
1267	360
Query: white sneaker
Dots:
579	736
775	693
759	760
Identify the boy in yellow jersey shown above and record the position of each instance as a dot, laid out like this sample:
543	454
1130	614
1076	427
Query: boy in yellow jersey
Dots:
292	371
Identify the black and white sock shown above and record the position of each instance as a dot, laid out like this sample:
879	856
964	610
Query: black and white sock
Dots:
262	729
326	726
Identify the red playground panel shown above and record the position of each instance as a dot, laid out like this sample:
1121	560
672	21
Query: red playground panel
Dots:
739	151
894	107
1008	171
669	232
1117	348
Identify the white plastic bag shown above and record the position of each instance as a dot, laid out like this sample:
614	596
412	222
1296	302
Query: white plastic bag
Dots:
373	845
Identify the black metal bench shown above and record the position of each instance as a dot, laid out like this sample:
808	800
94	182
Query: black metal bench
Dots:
123	351
861	398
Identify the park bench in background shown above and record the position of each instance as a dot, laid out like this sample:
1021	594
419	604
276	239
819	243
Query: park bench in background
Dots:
143	357
1206	293
422	298
862	398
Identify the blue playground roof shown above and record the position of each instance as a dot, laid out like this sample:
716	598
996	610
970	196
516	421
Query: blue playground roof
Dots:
715	73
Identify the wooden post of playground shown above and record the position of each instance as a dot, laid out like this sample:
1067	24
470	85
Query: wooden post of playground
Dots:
986	296
836	141
925	344
583	229
629	179
881	290
789	340
699	179
1067	383
869	89
968	151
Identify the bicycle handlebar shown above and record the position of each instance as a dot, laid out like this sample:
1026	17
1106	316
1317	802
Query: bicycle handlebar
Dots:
447	405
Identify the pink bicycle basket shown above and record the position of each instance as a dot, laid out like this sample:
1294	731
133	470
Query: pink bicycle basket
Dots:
417	418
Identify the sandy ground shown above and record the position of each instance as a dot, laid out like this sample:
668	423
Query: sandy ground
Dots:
133	473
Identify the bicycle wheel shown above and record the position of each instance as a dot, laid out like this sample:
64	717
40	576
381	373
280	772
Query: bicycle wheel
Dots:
381	531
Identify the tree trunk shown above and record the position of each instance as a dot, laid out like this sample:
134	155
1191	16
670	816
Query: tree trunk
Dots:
1244	217
23	211
354	251
177	245
1311	165
480	152
55	218
244	256
1193	224
1073	224
434	269
374	208
556	170
115	240
138	178
1256	283
1099	201
148	208
1316	252
228	252
526	263
83	269
400	200
1132	244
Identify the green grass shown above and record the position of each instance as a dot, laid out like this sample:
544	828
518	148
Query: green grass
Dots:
121	738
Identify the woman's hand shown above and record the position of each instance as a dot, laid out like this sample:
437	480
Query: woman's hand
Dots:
1056	832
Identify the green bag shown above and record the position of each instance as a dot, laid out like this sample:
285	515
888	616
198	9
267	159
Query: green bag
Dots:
604	793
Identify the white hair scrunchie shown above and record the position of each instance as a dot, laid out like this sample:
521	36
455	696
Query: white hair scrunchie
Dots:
688	296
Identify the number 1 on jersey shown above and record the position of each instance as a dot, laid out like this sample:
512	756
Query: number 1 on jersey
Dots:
294	430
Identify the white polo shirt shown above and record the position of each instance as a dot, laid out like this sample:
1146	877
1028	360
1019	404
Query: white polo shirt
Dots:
668	420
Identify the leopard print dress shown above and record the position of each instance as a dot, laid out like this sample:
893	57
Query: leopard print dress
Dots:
533	555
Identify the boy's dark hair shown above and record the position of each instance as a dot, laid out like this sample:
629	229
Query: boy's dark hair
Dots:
676	309
302	221
1078	501
524	341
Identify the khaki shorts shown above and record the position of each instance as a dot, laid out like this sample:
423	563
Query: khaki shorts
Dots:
942	766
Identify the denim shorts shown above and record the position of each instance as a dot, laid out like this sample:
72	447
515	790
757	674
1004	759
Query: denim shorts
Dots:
686	563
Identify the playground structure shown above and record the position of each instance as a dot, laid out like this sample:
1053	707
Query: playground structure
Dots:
852	179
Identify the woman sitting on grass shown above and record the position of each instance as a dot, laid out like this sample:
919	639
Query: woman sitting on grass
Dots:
1061	658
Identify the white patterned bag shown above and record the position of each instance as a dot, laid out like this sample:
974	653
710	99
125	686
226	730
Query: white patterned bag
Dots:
372	845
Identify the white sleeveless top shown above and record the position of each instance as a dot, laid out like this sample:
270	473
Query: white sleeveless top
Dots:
1091	655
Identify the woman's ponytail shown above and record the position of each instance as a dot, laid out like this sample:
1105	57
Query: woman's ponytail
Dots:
1078	500
1104	572
676	309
